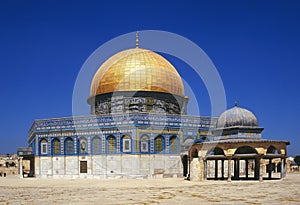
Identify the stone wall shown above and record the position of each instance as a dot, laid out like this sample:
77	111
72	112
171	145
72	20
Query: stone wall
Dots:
110	166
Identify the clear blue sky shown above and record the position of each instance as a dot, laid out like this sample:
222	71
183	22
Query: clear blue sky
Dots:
255	46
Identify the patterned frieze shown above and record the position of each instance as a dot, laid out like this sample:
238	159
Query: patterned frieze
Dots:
99	124
91	121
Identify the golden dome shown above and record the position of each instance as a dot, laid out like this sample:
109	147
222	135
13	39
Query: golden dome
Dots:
137	70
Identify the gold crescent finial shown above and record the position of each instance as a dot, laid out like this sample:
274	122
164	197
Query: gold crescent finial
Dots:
137	39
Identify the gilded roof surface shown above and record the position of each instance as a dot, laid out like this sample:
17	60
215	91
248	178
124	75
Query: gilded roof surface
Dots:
237	116
137	70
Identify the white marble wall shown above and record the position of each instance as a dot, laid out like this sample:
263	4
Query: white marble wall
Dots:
110	166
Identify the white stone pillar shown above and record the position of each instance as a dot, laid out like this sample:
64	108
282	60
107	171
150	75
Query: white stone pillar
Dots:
261	169
197	169
229	170
205	169
188	166
283	170
21	167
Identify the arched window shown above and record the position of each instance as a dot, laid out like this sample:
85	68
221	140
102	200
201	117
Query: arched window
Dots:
144	143
96	145
126	143
159	143
82	146
173	144
69	147
56	146
44	146
111	144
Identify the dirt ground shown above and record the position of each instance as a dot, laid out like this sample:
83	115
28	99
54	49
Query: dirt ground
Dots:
148	191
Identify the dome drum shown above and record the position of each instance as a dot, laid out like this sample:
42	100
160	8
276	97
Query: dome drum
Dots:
137	102
238	132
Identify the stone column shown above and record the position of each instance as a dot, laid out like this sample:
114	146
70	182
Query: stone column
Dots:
205	169
201	162
229	170
222	169
188	167
270	169
261	168
283	170
237	168
216	169
246	161
21	167
197	169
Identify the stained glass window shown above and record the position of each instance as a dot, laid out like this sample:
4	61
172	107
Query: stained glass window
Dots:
44	144
126	144
145	144
56	146
69	146
159	144
111	141
83	147
96	145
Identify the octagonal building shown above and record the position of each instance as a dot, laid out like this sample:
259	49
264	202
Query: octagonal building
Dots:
138	127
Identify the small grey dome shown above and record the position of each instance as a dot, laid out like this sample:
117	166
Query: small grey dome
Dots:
237	116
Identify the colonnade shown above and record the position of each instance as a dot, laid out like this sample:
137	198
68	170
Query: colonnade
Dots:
254	167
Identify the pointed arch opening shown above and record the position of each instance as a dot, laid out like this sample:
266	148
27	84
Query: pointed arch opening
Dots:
111	144
69	146
83	148
173	144
216	151
159	143
56	146
126	143
43	146
272	150
96	145
145	144
245	150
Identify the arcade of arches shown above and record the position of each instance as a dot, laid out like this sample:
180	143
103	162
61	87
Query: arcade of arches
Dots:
238	160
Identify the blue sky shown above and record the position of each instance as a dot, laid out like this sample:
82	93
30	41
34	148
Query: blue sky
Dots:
255	46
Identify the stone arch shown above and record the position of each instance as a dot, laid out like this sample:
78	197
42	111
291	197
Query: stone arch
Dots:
245	150
216	151
194	153
272	150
